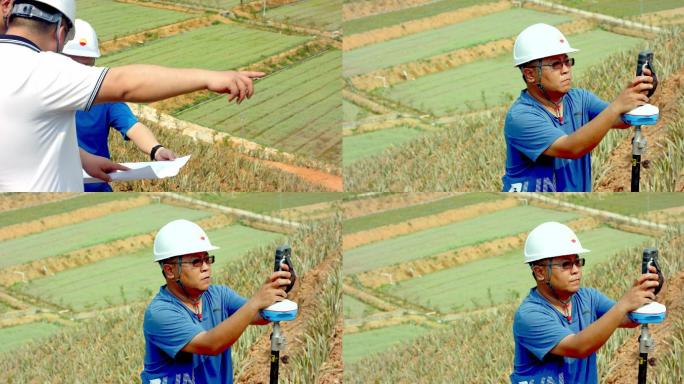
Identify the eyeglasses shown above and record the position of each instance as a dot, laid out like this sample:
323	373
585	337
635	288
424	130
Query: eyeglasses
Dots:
199	261
558	64
567	264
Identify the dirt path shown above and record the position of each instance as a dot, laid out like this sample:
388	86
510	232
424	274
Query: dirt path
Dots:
72	217
13	201
329	181
419	25
384	203
306	296
618	165
359	9
624	364
386	232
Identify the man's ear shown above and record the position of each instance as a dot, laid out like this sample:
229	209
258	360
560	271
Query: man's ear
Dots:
528	75
167	271
538	274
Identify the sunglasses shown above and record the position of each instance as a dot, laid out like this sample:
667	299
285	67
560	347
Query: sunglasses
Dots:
198	262
558	64
568	264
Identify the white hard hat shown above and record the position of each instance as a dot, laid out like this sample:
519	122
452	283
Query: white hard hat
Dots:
84	43
551	239
66	7
538	41
180	237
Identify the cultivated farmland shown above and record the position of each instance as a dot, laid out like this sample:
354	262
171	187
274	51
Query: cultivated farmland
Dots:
284	143
100	287
428	86
417	304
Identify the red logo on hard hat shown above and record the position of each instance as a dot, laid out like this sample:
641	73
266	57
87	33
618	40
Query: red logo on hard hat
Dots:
574	240
83	42
562	41
202	237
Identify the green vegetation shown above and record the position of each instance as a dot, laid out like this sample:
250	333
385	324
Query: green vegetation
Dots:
353	112
265	202
360	344
323	14
365	145
363	223
112	19
442	40
625	203
62	206
433	241
289	111
621	8
355	308
218	47
497	279
19	335
68	238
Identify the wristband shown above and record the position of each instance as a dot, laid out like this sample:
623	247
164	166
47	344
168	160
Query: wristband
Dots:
154	150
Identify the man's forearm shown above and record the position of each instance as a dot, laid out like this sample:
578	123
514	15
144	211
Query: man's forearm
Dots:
590	339
148	83
142	137
221	337
590	135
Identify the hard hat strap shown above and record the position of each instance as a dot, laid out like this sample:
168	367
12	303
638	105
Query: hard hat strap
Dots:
556	105
195	302
565	303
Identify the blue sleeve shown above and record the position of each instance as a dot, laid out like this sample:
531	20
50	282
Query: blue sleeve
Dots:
231	300
170	329
530	132
601	302
593	104
121	118
539	332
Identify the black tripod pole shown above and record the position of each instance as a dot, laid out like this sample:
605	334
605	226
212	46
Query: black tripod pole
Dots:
277	345
645	346
638	146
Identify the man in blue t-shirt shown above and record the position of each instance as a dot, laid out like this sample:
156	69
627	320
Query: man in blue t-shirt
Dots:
551	128
190	325
92	127
559	326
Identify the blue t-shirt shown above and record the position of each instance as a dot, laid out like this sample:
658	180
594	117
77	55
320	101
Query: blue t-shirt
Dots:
169	326
92	129
538	327
530	129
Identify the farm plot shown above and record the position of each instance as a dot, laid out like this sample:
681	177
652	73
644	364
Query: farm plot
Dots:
353	112
218	47
626	203
18	335
492	82
53	208
357	147
68	238
113	19
621	8
361	344
127	278
318	14
398	215
494	280
210	4
356	309
442	40
263	202
432	8
289	111
441	239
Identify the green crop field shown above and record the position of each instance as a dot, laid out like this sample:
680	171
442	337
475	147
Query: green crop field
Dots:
365	145
127	278
491	82
324	14
397	17
493	280
210	4
355	309
103	229
53	208
265	202
112	19
622	8
361	344
442	40
441	239
363	223
19	335
289	111
353	112
218	47
626	203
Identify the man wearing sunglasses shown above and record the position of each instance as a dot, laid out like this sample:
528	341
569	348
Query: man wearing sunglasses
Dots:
559	326
190	325
551	128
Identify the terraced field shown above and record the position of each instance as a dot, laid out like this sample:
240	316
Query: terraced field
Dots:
318	14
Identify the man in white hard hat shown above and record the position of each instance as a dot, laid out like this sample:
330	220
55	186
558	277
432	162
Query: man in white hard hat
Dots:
42	90
92	127
559	326
551	128
190	324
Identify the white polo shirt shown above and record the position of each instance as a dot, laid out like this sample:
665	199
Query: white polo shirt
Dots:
39	95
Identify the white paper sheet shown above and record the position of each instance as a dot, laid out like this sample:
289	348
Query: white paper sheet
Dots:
144	170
